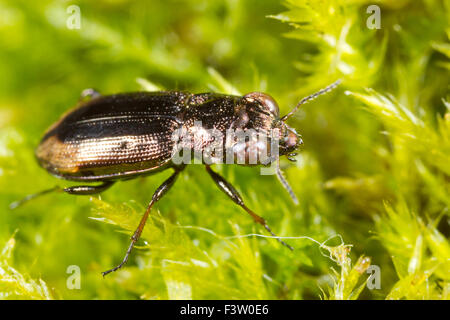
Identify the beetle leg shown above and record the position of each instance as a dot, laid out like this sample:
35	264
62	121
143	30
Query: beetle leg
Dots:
231	192
159	193
77	190
86	190
20	202
89	93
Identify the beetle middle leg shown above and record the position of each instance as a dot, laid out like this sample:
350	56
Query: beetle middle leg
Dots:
231	192
159	193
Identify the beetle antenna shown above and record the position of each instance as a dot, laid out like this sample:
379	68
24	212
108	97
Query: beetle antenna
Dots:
285	183
311	97
20	202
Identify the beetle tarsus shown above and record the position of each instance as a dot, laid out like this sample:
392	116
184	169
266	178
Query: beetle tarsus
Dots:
16	204
278	238
124	261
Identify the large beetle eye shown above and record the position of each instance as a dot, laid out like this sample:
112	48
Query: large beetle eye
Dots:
265	100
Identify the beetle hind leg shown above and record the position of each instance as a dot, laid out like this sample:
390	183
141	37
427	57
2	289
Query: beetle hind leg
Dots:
76	190
231	192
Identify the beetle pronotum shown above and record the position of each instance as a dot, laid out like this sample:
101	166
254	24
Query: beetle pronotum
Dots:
122	136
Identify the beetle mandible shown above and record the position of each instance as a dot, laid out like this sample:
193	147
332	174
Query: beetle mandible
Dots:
122	136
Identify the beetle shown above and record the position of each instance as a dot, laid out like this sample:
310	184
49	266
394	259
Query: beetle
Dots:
107	138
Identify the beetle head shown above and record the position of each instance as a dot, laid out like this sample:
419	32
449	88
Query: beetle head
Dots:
289	139
264	114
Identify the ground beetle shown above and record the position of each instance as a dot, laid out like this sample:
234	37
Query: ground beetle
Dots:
122	136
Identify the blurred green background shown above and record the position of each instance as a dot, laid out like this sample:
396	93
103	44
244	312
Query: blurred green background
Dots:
374	171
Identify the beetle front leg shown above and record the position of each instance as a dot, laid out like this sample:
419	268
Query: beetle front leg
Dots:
231	192
159	193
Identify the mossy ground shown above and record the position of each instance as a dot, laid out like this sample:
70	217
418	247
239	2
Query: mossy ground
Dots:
373	175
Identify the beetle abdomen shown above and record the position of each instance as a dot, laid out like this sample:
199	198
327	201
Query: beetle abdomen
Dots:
113	136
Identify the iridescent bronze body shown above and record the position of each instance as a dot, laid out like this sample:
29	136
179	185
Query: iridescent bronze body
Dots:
119	137
123	135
